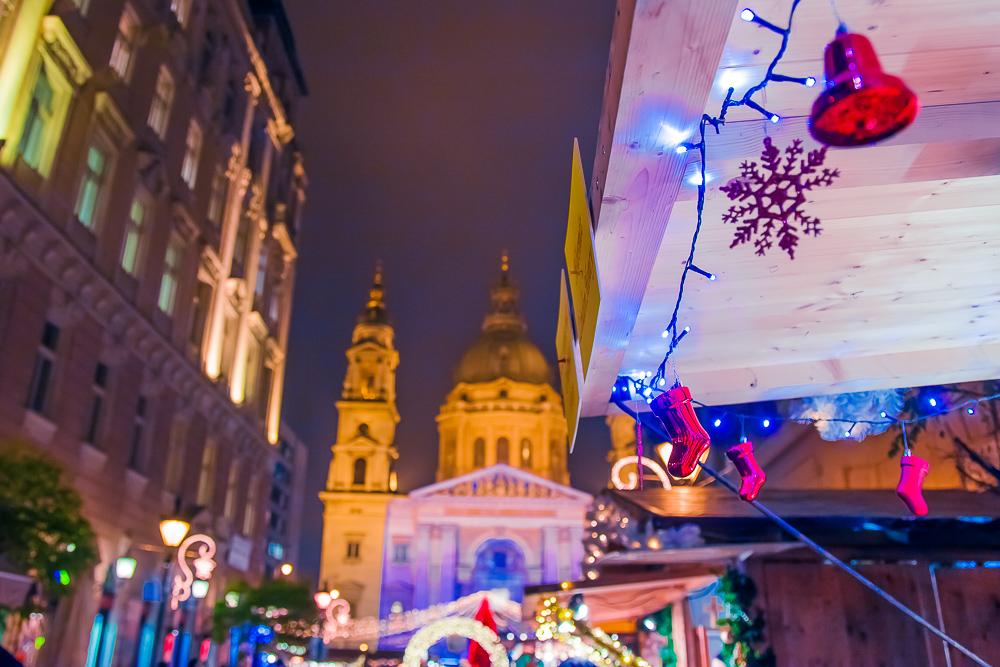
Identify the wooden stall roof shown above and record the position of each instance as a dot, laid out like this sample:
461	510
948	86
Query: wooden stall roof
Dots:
902	288
712	502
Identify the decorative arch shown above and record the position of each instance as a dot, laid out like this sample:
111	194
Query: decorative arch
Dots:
416	650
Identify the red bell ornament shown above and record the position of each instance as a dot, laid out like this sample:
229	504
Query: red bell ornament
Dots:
752	476
689	439
913	470
861	104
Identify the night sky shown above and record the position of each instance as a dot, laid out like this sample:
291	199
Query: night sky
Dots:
436	134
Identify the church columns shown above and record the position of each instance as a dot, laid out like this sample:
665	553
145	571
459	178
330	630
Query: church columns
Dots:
422	543
447	565
550	554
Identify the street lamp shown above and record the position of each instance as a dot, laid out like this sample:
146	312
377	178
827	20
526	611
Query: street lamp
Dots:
199	589
125	567
286	569
173	531
323	600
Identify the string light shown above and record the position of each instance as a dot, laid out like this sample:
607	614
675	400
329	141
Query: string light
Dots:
671	331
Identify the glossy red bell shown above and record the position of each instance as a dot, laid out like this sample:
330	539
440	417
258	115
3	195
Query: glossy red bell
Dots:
861	103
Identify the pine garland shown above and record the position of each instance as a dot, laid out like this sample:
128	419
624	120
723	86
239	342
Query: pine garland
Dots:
742	623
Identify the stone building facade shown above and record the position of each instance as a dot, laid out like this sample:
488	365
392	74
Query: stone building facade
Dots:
151	191
500	516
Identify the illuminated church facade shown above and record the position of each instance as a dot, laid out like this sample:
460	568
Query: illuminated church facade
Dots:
501	513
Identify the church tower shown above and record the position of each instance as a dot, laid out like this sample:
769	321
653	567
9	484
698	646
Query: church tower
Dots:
362	479
503	408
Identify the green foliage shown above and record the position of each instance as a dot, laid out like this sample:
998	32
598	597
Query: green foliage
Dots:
42	529
664	621
291	599
743	624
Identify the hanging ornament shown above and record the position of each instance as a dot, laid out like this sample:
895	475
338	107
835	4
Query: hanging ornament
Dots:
690	440
913	470
752	476
861	103
771	196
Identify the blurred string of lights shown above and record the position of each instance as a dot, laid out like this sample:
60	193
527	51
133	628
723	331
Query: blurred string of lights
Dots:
569	625
671	331
635	388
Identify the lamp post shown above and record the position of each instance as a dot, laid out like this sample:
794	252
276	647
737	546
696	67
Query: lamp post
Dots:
99	651
173	530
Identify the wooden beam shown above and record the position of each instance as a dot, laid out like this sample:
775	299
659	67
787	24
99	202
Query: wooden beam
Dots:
670	59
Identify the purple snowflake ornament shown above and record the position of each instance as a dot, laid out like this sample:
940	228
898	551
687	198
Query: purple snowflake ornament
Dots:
770	196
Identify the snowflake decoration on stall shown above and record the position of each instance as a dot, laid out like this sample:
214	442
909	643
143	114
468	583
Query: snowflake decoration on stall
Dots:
772	195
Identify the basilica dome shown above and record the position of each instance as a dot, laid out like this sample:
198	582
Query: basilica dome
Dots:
503	354
503	349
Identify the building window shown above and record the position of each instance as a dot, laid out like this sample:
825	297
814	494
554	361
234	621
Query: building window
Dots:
240	247
353	550
261	275
206	479
124	47
181	10
479	453
192	153
275	550
360	471
199	318
40	389
99	388
91	185
217	200
526	454
232	486
132	245
251	384
401	552
163	100
503	450
167	299
136	452
40	116
176	455
250	509
274	304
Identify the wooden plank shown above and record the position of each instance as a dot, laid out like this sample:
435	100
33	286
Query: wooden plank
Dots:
672	54
970	602
713	502
944	123
748	383
873	166
973	75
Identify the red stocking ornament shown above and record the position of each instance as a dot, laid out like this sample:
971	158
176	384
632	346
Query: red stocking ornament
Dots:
690	440
752	476
911	482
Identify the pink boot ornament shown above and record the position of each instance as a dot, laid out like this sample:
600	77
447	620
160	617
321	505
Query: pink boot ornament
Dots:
911	481
752	476
690	440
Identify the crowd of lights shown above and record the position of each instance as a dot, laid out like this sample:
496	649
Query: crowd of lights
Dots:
566	626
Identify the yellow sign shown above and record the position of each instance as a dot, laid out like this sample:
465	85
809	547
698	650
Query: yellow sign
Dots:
580	261
570	368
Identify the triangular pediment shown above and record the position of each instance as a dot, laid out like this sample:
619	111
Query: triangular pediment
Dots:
501	481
